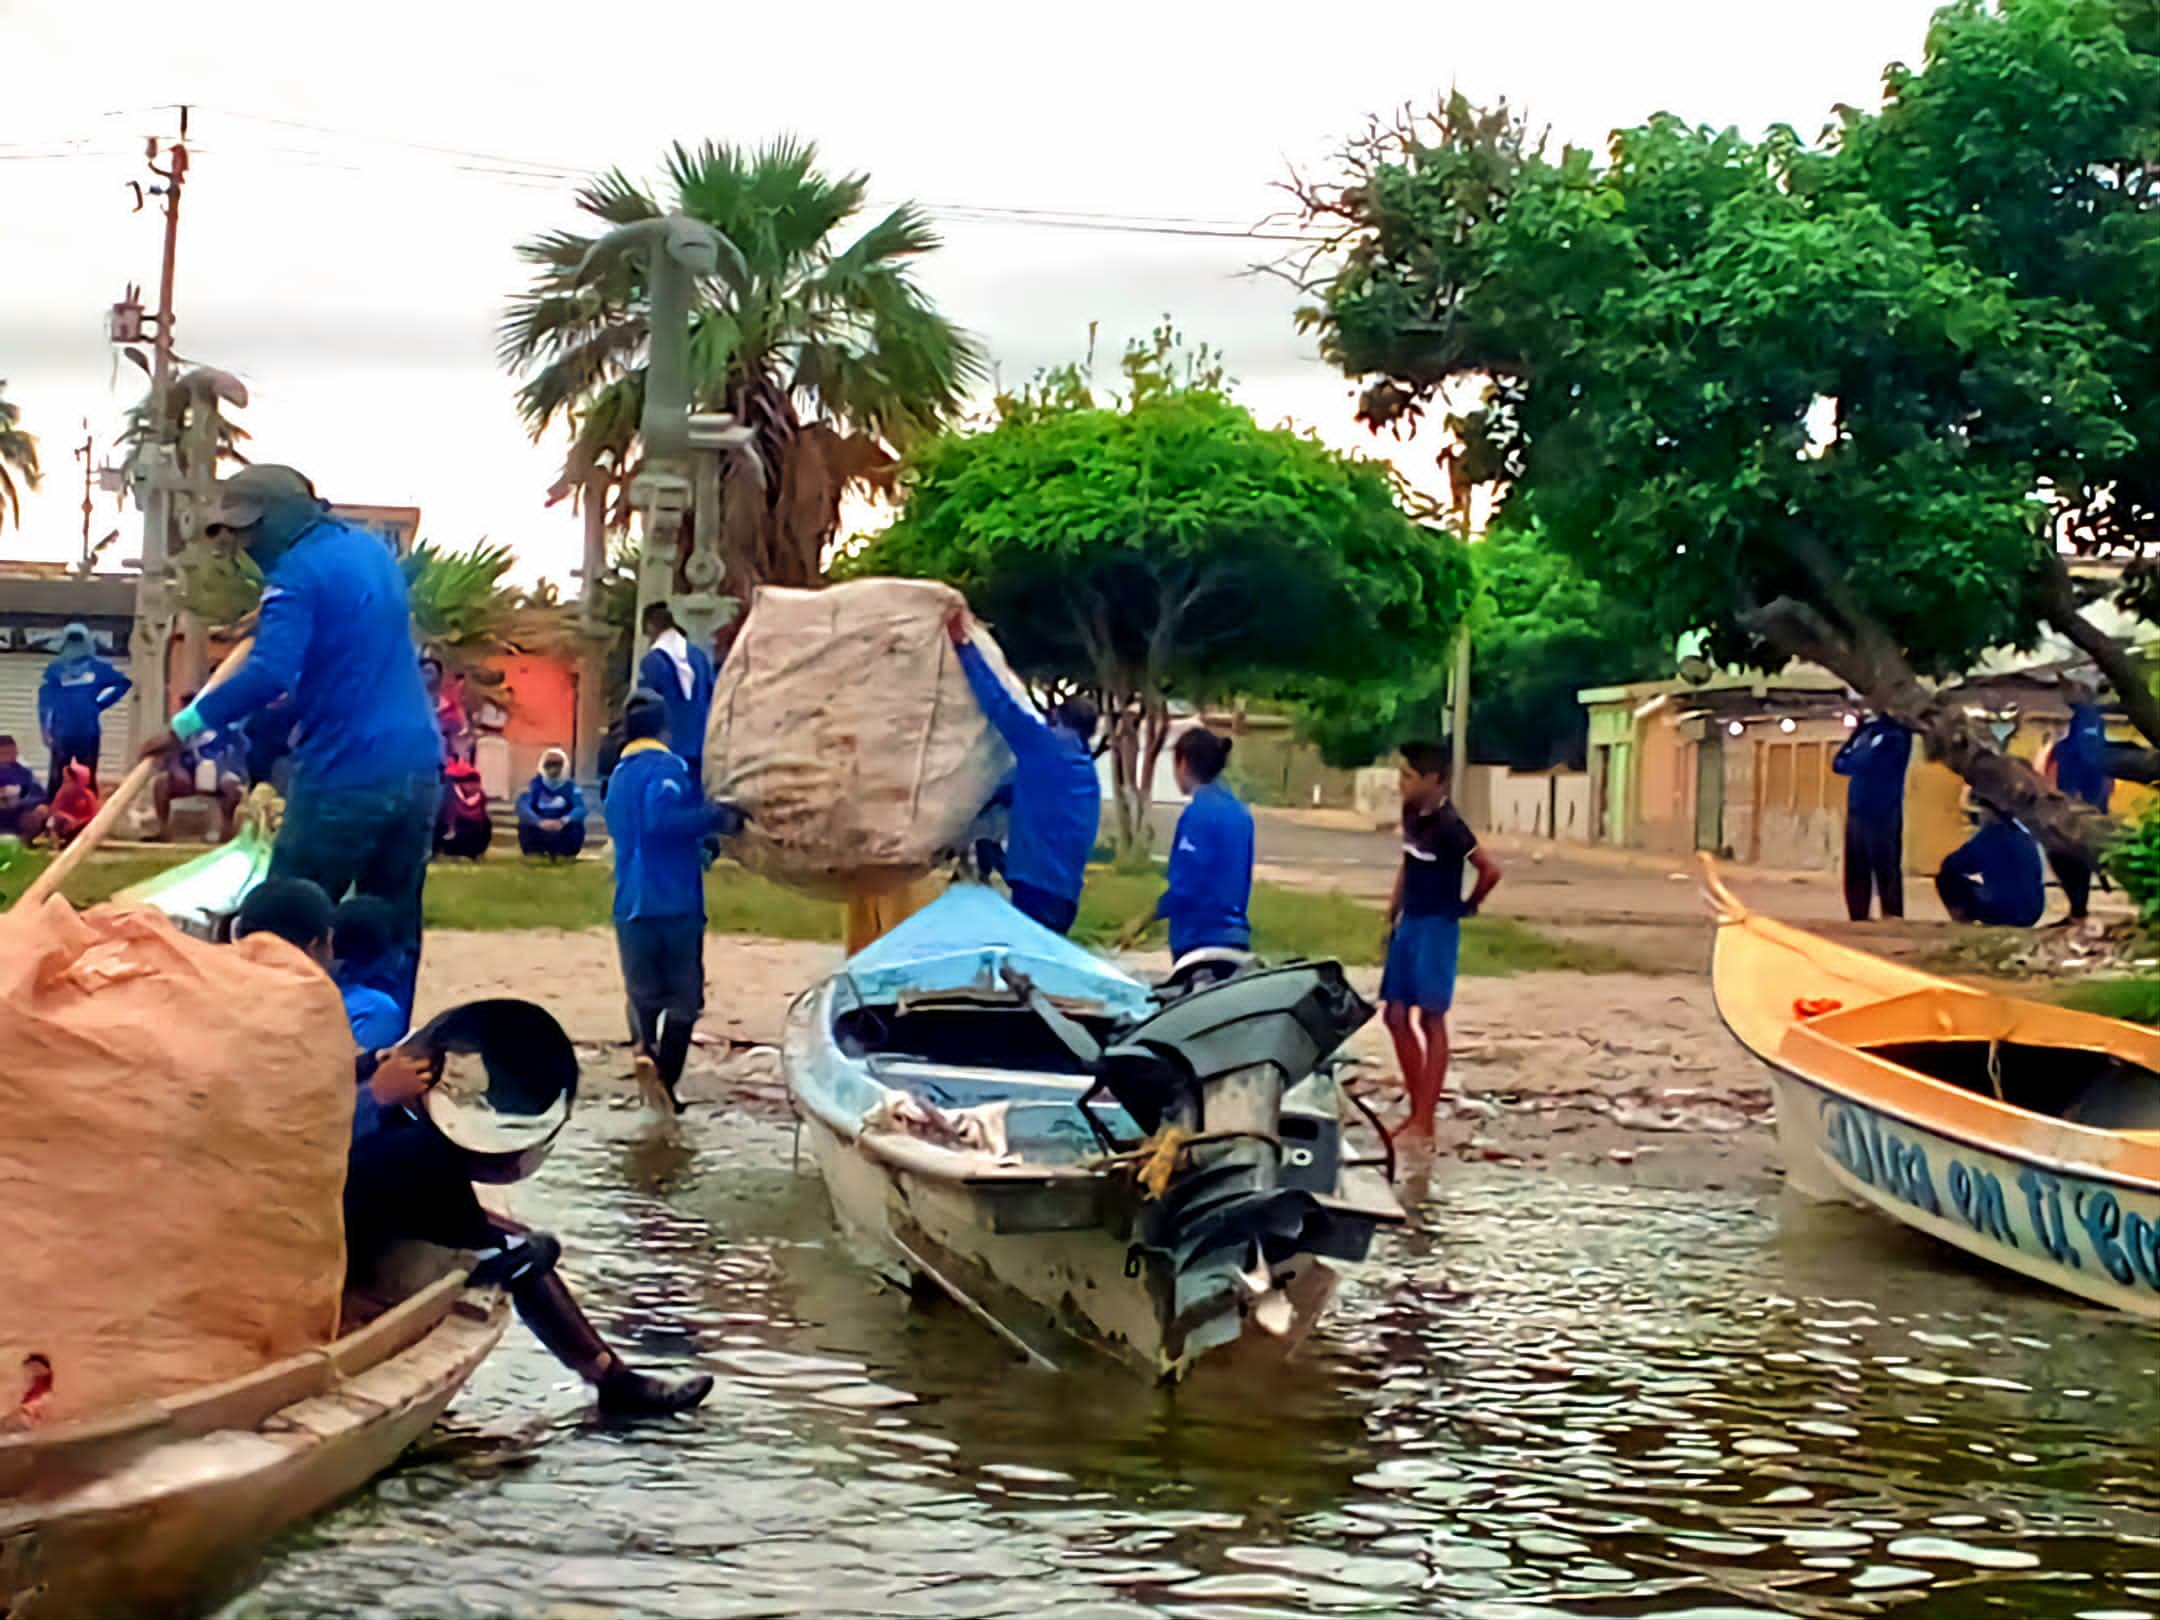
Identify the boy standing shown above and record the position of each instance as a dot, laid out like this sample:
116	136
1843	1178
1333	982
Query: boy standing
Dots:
1417	987
658	821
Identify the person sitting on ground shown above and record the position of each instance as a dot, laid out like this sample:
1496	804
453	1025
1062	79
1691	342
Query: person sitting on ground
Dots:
212	765
551	811
463	828
682	674
75	806
1995	877
1211	854
23	810
1056	795
1417	986
405	1182
658	822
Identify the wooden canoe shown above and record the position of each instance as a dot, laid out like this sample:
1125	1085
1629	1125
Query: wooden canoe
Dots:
2025	1134
155	1511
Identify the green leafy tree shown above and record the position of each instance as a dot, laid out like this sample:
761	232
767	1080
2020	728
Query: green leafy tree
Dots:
18	460
830	353
1740	388
1164	541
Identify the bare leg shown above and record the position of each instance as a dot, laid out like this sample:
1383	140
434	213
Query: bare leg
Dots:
1410	1054
161	794
1423	1106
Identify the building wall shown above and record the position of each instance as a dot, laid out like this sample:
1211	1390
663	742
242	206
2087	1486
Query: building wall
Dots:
1665	802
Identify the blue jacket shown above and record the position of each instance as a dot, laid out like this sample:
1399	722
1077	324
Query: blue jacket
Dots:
377	1022
1211	862
1057	798
540	802
686	716
29	791
2081	757
335	632
1875	758
2003	861
657	821
75	694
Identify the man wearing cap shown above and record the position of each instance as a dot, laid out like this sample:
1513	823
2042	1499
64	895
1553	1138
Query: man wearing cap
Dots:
78	688
335	638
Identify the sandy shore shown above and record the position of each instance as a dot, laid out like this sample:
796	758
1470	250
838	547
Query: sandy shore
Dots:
1623	1076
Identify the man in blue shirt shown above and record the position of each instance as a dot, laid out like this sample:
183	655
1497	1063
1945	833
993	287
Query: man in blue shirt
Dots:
1211	854
682	675
658	822
551	811
2079	762
335	635
1995	876
1873	762
78	688
1056	795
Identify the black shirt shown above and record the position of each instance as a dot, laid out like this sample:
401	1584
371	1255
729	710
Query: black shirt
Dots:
1435	845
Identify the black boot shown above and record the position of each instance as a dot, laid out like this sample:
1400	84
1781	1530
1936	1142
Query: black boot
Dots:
673	1053
627	1393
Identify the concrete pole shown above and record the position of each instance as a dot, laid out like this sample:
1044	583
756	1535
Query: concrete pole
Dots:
592	717
154	596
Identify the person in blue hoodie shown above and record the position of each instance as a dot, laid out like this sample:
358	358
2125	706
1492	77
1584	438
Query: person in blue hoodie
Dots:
551	811
1211	854
1056	796
335	634
78	688
1995	877
658	822
2080	765
1873	762
682	675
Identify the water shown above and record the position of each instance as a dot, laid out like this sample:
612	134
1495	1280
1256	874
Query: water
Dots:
1548	1399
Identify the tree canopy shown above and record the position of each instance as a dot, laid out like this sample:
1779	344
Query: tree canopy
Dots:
1845	400
829	352
18	460
1165	542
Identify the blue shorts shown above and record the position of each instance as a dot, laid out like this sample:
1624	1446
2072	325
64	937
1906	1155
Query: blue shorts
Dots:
1421	959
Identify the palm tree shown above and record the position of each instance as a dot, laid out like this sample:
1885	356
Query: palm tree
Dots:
18	461
831	355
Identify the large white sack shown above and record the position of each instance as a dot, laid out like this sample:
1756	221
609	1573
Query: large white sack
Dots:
843	724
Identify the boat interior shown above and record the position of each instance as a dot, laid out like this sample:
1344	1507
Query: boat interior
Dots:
2043	1060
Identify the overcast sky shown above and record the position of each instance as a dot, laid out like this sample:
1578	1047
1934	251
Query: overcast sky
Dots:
354	280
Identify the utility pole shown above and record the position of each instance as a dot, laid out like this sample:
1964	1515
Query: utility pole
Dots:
156	471
86	453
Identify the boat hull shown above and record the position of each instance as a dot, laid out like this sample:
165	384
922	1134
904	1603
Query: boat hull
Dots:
1038	1287
2087	1234
178	1524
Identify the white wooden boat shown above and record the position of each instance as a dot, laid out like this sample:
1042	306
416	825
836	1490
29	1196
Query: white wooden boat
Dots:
1073	1156
2025	1134
154	1511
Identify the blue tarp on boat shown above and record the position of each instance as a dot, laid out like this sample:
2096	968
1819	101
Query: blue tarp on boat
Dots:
958	941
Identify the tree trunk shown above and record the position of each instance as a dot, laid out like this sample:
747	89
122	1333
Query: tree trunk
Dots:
1155	734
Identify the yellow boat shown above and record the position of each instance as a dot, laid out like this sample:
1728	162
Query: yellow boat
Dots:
2025	1134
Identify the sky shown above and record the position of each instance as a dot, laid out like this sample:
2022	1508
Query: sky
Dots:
360	180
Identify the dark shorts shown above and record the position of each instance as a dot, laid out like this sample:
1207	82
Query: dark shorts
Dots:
1054	911
663	963
1421	960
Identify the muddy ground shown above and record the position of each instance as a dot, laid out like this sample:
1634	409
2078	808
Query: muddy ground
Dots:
1626	1076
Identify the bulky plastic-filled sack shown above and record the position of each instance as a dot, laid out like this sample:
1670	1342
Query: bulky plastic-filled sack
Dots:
843	723
174	1119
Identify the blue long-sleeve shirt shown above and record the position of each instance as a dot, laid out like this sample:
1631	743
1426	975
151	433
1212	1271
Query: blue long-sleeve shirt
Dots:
1874	759
2081	757
1211	862
74	695
541	801
686	715
2003	861
1057	798
378	1023
336	633
657	821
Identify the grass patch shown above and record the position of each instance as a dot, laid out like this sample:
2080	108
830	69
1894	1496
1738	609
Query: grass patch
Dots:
507	892
2135	1001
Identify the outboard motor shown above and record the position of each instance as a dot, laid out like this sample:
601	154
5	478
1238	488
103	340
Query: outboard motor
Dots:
1215	1065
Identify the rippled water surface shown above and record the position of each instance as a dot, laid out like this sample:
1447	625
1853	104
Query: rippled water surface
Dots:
1547	1399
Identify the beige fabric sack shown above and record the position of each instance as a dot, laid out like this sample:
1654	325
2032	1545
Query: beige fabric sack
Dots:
176	1118
843	723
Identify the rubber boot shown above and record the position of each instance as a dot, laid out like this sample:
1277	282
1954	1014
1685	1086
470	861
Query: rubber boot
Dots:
673	1054
557	1321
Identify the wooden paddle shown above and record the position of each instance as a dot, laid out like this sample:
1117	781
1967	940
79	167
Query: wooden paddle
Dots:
109	813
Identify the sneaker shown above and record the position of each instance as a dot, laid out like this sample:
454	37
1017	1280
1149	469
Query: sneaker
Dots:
627	1393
